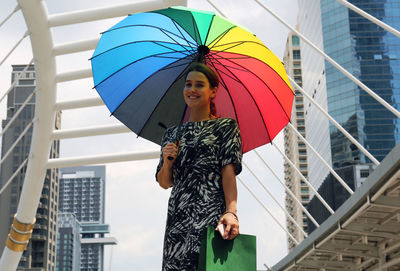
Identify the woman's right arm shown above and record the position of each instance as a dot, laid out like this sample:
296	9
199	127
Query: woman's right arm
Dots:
164	176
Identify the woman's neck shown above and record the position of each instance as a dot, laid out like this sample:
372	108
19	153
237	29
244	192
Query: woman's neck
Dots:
200	115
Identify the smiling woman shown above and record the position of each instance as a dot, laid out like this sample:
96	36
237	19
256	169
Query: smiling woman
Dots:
200	89
201	169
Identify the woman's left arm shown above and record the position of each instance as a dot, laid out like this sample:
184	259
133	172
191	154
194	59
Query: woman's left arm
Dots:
229	218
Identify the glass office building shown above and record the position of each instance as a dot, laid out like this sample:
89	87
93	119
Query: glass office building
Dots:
372	55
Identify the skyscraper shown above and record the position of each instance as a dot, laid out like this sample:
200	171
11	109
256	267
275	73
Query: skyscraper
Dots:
68	243
314	83
41	250
82	192
295	149
372	55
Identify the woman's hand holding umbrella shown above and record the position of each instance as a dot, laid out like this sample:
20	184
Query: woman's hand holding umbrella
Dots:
164	177
170	152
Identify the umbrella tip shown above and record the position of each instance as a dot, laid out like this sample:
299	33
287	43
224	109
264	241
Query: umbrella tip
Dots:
202	50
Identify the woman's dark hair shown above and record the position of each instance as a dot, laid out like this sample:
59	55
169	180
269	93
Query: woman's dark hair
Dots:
212	77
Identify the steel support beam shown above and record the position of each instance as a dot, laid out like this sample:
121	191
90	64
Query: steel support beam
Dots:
101	159
89	15
35	14
91	131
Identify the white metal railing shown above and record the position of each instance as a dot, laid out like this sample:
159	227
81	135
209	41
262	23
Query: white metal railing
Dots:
370	17
334	122
22	107
14	47
340	180
19	76
275	200
267	210
75	46
11	149
304	179
9	181
78	103
288	190
91	131
10	15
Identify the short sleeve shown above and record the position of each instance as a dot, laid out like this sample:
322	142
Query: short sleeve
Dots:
231	145
165	140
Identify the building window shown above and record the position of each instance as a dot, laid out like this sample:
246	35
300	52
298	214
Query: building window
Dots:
296	54
295	41
378	57
297	71
364	173
304	198
26	82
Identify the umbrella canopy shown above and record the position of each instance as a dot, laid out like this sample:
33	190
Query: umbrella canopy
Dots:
139	69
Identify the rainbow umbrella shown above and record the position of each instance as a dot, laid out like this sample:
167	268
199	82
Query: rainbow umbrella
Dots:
139	66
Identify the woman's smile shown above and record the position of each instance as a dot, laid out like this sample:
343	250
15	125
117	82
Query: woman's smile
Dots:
197	91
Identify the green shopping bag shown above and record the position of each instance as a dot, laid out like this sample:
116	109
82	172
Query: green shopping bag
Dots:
217	254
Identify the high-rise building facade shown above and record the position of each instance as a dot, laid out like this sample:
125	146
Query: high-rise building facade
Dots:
372	55
68	243
295	148
41	250
82	192
314	83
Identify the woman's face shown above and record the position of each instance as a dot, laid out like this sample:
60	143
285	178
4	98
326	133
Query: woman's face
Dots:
197	91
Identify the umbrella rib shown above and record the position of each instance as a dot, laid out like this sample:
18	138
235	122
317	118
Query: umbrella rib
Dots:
221	36
226	87
240	43
216	53
258	109
196	30
156	42
276	98
156	55
209	29
152	41
177	78
179	43
170	67
153	26
233	78
183	36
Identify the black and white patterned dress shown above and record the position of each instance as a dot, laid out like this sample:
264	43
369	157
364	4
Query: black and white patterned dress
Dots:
197	198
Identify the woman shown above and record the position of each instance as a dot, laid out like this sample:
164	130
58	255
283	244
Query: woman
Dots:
201	171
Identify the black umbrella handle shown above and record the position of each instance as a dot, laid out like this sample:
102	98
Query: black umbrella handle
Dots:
178	135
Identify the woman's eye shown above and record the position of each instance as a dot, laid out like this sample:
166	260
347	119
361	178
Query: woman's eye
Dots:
188	85
199	85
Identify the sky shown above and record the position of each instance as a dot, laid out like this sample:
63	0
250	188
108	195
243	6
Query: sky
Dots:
136	206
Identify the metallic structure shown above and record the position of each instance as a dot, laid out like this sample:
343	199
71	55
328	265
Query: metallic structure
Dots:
361	235
295	148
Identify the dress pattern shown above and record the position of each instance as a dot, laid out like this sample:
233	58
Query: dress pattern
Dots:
197	198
